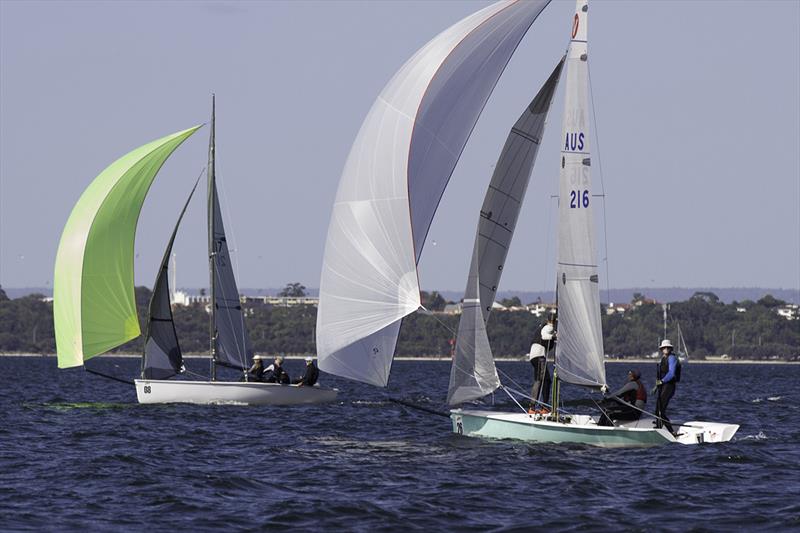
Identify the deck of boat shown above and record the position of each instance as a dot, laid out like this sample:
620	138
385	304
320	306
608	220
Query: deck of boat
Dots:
583	429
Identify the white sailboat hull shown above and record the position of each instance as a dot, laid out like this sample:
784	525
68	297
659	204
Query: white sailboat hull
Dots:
229	392
583	429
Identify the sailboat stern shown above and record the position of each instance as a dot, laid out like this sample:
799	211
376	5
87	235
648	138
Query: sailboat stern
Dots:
705	432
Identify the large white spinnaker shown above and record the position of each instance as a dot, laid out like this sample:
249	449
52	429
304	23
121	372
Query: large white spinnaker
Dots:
579	350
473	373
394	177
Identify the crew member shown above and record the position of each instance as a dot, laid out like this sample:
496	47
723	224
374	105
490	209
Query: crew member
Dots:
310	376
668	374
543	341
632	393
275	373
256	372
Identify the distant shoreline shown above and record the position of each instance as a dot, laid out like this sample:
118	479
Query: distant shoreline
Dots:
500	359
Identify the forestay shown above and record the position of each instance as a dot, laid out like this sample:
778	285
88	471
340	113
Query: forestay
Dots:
392	182
473	373
162	352
94	307
579	351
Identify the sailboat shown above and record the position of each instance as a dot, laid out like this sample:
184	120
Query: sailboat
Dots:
579	357
394	177
93	298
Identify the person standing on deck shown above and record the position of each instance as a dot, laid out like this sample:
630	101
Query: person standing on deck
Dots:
543	341
668	374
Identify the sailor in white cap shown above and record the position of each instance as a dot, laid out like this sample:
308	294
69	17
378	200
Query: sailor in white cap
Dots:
544	340
669	374
256	372
310	376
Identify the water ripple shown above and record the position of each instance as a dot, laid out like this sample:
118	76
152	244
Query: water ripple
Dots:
84	450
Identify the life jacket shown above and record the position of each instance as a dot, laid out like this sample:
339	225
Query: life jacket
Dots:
632	396
663	368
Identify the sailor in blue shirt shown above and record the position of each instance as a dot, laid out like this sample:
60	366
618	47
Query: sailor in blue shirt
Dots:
669	374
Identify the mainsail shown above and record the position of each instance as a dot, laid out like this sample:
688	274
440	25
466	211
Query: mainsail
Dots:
473	373
162	352
230	343
94	308
394	177
579	351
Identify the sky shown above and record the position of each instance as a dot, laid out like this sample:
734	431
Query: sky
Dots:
697	107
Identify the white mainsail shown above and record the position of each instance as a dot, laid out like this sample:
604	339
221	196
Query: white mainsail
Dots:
473	373
579	350
394	177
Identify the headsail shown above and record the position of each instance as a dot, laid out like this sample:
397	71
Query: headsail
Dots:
162	352
94	309
473	373
579	351
230	342
392	182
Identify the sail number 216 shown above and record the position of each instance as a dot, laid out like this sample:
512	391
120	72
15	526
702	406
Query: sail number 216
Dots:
578	199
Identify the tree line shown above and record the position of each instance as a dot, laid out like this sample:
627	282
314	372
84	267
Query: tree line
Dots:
744	330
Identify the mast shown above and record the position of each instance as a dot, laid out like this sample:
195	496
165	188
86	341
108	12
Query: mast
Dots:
212	269
554	392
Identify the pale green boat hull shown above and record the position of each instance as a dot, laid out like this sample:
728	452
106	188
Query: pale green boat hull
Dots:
582	429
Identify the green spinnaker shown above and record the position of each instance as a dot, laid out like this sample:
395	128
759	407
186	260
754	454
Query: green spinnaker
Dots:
94	307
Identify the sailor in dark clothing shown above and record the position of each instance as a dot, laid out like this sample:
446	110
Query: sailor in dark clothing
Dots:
669	374
256	372
311	374
633	393
275	373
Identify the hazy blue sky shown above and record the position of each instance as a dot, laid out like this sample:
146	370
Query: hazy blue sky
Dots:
698	109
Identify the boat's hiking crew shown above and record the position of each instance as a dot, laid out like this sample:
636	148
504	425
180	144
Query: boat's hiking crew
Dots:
311	375
668	374
633	392
544	340
275	372
256	372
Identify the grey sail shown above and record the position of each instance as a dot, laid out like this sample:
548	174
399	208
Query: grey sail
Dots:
162	357
473	373
230	343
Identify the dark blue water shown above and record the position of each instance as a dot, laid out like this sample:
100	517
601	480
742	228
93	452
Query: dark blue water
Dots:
78	452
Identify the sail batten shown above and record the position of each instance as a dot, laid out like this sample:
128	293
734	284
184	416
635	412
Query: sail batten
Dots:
580	356
94	308
394	177
473	373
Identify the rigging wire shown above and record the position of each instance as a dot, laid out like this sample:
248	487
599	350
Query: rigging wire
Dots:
602	184
108	376
478	374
